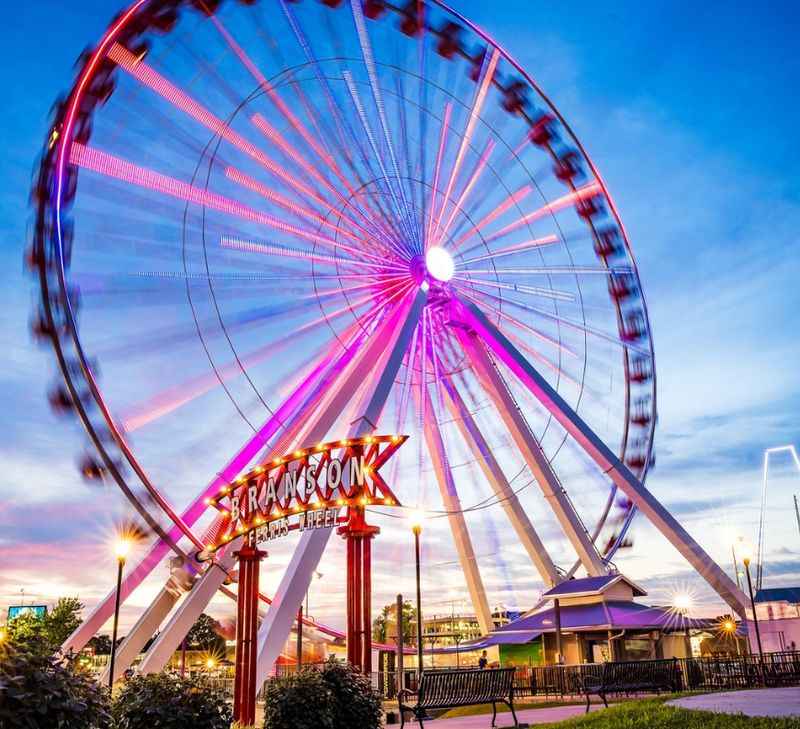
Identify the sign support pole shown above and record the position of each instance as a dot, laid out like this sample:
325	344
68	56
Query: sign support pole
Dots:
358	535
244	687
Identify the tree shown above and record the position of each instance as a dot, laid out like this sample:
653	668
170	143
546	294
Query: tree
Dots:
62	620
101	644
384	627
37	690
203	634
44	634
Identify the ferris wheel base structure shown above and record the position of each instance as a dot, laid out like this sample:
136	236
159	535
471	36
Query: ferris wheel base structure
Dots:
391	340
602	455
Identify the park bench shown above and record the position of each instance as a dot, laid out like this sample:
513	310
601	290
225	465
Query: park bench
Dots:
782	669
630	677
462	687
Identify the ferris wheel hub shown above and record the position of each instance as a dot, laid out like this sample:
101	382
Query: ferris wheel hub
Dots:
440	263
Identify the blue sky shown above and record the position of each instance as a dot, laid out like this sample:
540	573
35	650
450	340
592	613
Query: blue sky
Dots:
692	117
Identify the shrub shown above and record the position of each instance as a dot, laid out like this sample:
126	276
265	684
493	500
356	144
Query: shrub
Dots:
298	701
163	701
356	705
39	692
335	697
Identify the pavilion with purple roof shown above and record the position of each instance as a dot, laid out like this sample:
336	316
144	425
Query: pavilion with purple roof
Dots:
595	619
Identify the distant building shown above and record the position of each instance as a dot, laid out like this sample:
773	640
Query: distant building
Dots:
778	612
452	629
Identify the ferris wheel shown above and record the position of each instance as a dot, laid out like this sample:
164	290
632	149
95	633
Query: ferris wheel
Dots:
261	224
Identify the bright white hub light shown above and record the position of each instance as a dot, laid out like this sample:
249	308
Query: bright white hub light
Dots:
440	264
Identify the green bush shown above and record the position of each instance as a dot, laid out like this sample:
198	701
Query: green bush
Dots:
39	692
298	701
356	705
163	701
336	697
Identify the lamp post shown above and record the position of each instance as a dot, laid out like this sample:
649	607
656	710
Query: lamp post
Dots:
122	548
682	602
416	527
746	553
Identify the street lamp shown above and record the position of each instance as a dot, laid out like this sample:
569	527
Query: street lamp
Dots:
682	602
122	548
746	553
417	518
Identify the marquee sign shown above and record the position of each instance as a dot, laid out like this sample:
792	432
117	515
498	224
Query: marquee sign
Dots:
306	489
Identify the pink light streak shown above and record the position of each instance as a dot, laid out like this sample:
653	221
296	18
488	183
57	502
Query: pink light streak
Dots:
271	249
589	190
145	74
120	169
516	248
479	167
521	325
501	209
477	106
448	109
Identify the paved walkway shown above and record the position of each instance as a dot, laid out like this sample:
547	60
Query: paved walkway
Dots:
756	702
525	716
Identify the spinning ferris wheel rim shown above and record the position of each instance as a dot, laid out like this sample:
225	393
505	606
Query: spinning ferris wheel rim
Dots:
62	147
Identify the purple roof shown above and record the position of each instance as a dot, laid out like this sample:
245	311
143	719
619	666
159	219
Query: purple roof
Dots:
590	586
612	615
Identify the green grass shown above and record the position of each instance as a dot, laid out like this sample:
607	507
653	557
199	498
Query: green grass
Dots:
653	714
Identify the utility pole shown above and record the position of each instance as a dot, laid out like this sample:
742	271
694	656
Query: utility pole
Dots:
797	513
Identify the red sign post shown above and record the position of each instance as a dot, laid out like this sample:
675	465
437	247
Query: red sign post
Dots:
307	489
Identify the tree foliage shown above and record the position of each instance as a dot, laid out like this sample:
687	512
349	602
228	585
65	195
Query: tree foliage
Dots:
298	701
100	644
203	634
44	634
384	627
164	701
37	690
335	697
355	702
63	619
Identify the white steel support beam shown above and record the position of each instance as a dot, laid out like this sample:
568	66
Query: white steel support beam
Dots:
602	455
179	582
534	456
334	390
455	516
526	533
160	549
188	612
277	623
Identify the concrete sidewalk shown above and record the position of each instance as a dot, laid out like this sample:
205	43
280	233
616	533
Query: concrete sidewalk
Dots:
771	702
525	716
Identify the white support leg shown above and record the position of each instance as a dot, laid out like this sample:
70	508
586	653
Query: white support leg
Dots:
188	612
277	624
150	621
526	533
160	549
455	516
329	397
534	456
603	456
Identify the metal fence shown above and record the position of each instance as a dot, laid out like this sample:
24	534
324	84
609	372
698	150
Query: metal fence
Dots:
713	672
559	682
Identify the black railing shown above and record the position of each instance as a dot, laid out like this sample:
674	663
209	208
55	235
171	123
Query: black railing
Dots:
559	682
714	672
